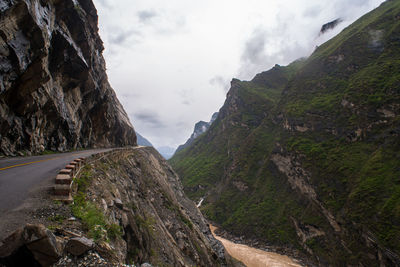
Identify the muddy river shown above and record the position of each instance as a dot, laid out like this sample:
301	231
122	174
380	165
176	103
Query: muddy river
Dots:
253	257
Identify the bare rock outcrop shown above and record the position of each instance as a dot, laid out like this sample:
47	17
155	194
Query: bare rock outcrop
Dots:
137	190
54	92
33	245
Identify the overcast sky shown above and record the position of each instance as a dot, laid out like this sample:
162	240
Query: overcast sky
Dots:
171	62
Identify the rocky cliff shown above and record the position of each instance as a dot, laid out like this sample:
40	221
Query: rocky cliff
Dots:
306	157
54	92
199	128
138	191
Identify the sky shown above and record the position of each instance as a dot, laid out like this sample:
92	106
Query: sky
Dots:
171	62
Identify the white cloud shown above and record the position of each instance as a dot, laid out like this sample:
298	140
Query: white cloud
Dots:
170	61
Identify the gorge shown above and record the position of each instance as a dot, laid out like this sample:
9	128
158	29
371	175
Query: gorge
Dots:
306	156
300	162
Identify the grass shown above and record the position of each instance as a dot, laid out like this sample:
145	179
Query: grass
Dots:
92	217
57	218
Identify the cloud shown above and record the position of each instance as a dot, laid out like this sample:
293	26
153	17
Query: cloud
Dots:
220	81
121	37
104	3
146	16
149	118
269	46
312	12
254	48
187	96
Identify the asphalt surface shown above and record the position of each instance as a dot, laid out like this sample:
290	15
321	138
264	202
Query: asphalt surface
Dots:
20	176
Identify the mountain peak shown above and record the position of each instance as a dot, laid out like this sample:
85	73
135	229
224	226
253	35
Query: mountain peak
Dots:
199	128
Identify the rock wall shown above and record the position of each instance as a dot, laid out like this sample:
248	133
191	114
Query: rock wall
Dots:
54	92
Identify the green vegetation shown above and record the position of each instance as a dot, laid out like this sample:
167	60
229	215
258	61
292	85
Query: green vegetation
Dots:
91	216
326	114
57	218
145	223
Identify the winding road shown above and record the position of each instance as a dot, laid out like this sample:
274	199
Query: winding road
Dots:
20	175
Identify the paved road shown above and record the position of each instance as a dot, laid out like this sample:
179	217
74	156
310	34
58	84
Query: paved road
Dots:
19	176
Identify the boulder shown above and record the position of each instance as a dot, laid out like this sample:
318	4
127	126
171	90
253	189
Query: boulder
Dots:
33	245
118	203
79	245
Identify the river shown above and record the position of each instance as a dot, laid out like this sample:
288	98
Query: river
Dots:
253	257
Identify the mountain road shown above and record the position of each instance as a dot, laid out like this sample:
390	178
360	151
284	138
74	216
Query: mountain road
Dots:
21	175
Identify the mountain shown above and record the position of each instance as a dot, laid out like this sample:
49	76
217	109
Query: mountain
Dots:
306	157
166	151
199	128
54	91
141	141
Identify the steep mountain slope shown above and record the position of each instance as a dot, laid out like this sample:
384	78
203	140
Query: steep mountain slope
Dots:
137	190
307	156
54	92
199	128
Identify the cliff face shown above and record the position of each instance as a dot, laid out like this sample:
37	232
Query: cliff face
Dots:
306	156
199	128
139	191
54	93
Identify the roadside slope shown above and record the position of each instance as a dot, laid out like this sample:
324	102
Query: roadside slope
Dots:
131	204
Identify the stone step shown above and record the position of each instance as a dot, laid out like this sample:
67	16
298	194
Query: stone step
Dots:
63	179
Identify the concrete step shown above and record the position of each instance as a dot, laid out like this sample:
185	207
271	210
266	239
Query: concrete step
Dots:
65	199
62	189
65	171
74	163
63	179
71	167
81	160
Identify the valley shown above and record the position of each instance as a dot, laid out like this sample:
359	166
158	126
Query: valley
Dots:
305	157
299	167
